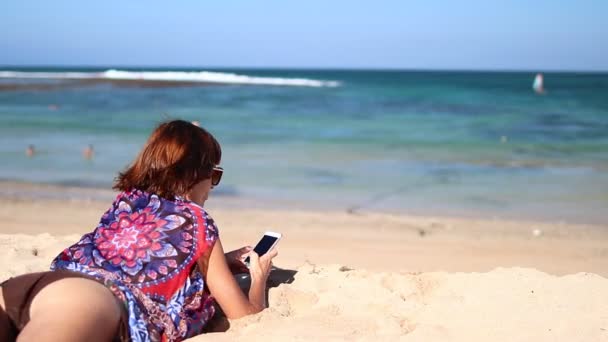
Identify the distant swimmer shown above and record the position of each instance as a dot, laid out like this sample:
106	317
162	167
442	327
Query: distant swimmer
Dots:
88	152
30	150
538	85
53	107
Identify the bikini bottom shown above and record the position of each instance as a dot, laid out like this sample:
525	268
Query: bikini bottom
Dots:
18	293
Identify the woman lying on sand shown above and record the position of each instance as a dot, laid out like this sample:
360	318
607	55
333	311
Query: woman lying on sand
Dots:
152	268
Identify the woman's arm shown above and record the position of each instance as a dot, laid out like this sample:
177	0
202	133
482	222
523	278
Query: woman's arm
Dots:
226	291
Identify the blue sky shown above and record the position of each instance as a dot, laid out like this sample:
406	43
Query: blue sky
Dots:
467	34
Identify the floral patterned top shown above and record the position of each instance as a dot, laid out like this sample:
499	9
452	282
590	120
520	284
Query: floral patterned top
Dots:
145	249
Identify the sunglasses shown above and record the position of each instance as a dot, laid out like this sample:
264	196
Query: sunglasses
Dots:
216	175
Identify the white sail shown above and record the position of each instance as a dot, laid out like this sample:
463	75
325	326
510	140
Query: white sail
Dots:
538	84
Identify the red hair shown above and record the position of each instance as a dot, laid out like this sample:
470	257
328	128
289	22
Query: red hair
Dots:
176	156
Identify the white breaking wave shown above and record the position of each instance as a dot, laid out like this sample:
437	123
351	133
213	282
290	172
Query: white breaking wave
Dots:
171	76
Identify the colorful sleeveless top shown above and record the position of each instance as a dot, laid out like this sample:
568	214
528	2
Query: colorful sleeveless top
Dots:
145	249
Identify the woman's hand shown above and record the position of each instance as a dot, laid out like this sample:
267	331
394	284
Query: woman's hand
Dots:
234	259
259	267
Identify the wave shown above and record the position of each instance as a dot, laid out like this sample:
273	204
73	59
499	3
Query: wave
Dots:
205	77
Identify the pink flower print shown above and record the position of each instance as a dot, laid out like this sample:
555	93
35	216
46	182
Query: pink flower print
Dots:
131	240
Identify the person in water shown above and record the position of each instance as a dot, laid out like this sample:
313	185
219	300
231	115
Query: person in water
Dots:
30	151
88	152
153	268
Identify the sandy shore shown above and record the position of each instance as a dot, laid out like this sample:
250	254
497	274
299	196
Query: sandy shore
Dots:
378	276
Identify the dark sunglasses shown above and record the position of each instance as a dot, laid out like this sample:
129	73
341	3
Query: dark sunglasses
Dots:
216	175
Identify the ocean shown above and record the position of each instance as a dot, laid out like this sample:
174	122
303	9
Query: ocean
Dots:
479	144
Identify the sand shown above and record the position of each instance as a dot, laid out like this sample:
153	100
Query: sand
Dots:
378	276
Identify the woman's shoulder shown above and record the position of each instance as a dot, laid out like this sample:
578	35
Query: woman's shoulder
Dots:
202	219
179	208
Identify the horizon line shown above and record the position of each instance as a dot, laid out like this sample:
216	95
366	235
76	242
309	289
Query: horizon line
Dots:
298	68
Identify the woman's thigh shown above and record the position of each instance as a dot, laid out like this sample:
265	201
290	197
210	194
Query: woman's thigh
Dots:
73	309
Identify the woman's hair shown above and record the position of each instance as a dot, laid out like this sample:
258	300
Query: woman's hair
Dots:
176	156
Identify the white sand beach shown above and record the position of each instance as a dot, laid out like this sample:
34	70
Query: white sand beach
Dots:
375	276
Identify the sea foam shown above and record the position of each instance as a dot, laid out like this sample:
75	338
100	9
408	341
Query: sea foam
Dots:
171	76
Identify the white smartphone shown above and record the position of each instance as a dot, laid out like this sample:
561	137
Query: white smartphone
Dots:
266	243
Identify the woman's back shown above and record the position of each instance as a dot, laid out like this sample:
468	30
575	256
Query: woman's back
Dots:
146	248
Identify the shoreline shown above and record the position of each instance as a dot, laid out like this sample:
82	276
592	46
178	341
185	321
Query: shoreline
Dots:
229	198
370	240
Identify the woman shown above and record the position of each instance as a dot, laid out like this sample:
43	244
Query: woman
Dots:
153	267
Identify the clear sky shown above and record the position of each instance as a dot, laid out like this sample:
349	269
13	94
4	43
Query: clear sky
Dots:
424	34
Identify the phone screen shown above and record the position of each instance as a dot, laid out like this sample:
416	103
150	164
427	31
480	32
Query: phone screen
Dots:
263	246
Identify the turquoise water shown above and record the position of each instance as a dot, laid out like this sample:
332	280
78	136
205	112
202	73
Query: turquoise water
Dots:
453	143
